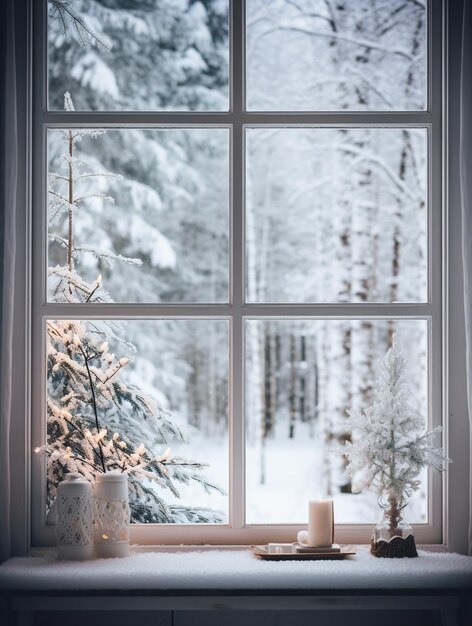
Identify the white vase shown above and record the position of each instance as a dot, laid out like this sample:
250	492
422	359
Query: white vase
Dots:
75	508
111	515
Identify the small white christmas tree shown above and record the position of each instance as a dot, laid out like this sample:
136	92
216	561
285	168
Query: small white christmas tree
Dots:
389	443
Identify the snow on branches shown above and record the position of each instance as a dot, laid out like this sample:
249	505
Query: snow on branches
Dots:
73	22
97	421
89	402
389	444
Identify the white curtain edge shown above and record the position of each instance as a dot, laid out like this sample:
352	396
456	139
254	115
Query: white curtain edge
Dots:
11	181
465	149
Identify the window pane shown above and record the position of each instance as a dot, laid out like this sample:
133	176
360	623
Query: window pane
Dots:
161	384
138	215
336	215
301	375
312	55
139	56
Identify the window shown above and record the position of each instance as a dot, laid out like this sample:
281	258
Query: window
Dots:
237	205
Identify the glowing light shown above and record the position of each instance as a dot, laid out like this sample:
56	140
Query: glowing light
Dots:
37	450
105	536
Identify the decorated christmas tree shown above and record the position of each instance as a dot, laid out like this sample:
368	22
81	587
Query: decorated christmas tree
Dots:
389	443
97	421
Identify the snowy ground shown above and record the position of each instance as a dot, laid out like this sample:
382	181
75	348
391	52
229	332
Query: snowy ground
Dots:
293	477
216	454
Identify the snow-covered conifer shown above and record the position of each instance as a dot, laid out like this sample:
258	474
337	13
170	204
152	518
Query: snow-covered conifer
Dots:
389	444
97	421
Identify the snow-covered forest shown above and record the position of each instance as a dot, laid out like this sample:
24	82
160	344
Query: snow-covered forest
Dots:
318	55
333	215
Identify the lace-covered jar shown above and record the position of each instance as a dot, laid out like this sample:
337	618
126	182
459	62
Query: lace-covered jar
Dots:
111	515
74	518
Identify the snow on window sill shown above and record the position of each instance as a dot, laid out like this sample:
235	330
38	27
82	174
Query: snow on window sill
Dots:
238	569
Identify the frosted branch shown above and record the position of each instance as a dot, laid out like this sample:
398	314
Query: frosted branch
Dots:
108	257
62	11
370	45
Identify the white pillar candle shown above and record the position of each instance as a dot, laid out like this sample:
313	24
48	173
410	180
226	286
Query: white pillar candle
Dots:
320	523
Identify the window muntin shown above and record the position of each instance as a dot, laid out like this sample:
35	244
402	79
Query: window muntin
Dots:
238	530
323	56
172	56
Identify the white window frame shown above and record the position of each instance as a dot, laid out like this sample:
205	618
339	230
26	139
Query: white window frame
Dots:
237	119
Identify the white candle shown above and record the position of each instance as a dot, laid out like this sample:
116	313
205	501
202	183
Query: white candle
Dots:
320	523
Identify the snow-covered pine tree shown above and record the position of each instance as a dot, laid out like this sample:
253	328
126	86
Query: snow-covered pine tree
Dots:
67	197
88	396
95	420
389	443
171	204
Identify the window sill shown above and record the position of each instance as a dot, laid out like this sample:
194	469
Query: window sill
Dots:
222	579
223	570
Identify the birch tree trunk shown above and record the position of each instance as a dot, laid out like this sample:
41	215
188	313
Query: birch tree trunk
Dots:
292	396
406	155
